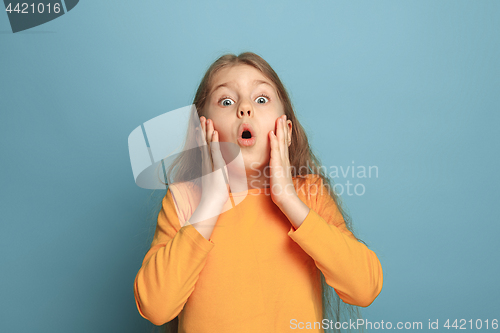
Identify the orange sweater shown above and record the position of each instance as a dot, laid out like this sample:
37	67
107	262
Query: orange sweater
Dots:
256	273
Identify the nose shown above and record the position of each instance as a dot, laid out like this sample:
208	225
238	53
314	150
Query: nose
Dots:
245	109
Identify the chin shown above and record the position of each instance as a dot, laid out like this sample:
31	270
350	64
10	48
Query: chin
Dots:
256	163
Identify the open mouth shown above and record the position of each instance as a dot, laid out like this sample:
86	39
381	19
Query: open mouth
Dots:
246	135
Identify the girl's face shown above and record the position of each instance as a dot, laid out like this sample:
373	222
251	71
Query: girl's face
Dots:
241	95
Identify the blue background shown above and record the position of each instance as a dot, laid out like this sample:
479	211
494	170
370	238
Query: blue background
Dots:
411	87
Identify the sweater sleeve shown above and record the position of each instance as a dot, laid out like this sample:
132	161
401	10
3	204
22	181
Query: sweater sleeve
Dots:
353	270
171	267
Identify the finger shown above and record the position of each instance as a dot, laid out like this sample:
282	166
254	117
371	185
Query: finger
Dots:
285	141
283	122
220	162
277	133
281	138
289	132
286	138
203	133
210	131
197	137
202	121
211	144
214	147
203	127
206	159
206	138
275	153
216	153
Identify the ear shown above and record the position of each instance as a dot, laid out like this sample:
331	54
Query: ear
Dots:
289	125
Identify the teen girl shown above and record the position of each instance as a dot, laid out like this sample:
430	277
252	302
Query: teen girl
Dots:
269	263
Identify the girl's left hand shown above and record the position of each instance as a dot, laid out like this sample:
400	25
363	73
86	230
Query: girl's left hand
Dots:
282	188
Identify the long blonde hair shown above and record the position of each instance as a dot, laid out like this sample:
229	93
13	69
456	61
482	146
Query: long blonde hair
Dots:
302	159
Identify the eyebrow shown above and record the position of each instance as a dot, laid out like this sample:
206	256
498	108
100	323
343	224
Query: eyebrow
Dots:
256	82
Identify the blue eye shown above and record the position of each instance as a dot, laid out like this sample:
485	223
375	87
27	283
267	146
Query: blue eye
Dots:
262	97
224	99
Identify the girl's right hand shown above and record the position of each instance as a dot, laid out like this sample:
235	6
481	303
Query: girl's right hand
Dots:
214	172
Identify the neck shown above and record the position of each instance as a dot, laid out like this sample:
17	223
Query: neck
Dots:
258	178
